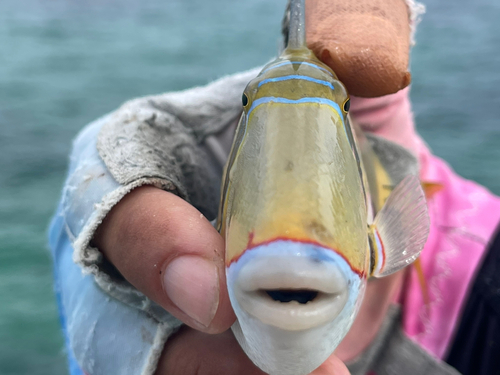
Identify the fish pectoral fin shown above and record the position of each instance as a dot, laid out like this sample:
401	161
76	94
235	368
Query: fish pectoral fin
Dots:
400	229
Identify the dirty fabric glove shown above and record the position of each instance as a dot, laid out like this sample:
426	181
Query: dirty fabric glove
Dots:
366	42
166	141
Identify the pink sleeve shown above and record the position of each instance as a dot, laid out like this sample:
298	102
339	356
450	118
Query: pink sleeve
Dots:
464	216
389	116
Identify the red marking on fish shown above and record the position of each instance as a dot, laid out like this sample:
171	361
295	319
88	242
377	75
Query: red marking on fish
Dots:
251	245
383	252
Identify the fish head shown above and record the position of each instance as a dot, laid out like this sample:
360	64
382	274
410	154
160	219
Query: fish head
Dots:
294	217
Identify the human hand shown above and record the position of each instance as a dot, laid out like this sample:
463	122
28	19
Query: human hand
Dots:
165	248
192	352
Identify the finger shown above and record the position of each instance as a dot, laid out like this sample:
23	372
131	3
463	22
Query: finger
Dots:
332	366
190	352
169	251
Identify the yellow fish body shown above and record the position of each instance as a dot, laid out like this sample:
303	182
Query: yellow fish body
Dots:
298	217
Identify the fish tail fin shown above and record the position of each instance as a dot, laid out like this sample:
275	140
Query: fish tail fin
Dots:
297	25
400	229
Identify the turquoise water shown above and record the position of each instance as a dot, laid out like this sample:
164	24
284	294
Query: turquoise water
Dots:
64	63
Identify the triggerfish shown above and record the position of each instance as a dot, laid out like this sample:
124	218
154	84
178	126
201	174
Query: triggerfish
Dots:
310	209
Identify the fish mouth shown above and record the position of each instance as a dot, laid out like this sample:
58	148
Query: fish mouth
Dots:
291	293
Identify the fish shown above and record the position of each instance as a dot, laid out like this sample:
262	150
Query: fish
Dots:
311	208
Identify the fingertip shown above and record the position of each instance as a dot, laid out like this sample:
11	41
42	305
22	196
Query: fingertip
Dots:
196	286
224	317
332	366
192	285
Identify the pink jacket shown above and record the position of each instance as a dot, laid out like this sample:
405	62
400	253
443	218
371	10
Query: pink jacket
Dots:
464	216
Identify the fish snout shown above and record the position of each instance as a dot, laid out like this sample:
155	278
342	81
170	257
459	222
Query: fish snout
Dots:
291	292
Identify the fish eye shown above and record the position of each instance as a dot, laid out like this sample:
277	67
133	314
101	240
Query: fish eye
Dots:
244	100
347	105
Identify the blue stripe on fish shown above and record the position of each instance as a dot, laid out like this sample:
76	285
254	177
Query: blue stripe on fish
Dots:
297	63
296	76
273	99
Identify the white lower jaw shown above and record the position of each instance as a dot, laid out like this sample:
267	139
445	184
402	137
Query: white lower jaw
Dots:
292	338
281	352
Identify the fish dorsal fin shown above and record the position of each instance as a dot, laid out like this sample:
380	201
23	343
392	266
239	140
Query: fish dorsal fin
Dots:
297	25
400	229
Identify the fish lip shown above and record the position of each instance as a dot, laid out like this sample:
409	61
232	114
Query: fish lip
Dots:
291	273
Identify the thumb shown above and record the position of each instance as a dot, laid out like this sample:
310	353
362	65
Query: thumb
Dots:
170	252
